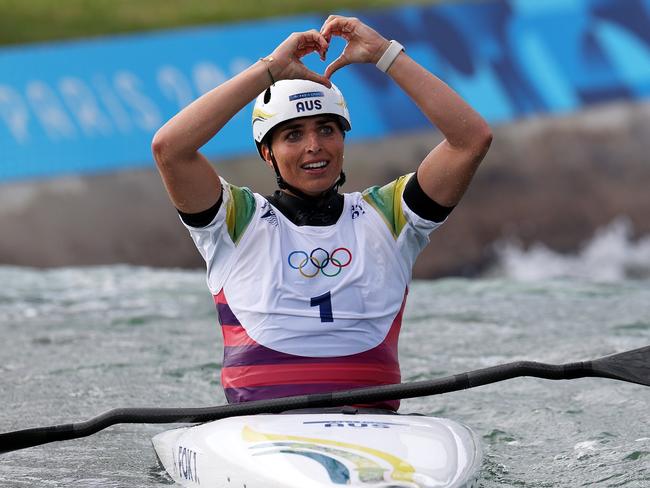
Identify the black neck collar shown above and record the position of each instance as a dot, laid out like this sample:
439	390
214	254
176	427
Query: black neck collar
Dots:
321	211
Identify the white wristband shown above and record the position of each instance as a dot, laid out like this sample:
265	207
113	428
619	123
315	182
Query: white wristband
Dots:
389	55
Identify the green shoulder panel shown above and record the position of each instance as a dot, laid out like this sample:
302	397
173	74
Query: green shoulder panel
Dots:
240	211
387	200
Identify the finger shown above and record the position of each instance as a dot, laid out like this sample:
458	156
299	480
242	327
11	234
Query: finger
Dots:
330	19
334	26
340	26
336	65
312	40
310	75
306	48
314	36
324	28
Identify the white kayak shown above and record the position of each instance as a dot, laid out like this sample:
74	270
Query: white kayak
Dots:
318	450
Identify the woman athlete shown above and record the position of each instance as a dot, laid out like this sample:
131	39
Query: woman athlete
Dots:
310	283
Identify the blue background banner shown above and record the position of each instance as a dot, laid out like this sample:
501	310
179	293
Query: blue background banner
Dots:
94	105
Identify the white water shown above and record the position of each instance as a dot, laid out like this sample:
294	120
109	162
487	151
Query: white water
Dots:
611	255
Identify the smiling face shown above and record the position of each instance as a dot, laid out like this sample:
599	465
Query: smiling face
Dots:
309	152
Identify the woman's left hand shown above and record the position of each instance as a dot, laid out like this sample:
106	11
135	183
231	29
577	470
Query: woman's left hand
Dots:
364	44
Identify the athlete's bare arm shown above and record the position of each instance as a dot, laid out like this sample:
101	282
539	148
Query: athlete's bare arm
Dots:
445	173
191	181
447	170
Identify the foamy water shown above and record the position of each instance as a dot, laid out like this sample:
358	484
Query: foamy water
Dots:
612	255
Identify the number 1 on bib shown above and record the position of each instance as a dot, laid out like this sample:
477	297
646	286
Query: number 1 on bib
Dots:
324	304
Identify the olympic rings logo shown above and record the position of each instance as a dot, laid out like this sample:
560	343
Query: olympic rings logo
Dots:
319	260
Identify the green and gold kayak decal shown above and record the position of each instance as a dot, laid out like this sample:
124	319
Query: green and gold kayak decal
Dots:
325	451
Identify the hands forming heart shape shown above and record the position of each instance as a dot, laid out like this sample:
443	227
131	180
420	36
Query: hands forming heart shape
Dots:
363	45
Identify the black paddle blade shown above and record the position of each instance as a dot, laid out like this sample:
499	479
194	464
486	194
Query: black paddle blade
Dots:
632	366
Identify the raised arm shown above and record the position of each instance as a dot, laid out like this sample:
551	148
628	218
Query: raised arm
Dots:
191	181
447	170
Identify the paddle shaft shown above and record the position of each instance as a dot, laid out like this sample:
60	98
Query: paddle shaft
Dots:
632	366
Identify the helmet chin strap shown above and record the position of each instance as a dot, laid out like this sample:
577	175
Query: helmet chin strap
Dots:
283	185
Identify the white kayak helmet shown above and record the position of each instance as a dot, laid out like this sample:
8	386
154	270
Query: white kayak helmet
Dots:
291	99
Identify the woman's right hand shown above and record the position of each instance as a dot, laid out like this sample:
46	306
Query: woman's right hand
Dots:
287	63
